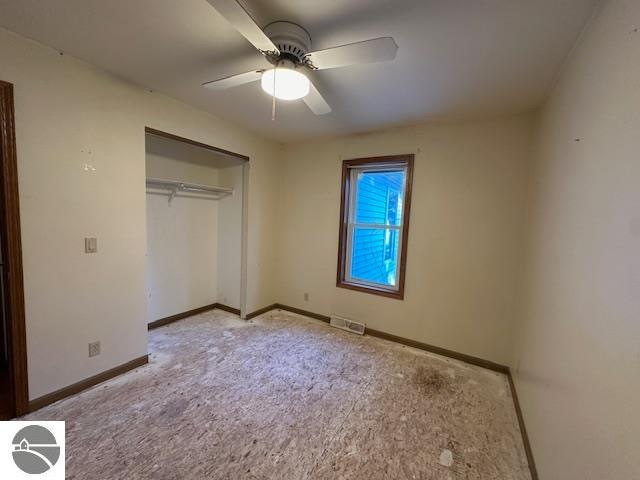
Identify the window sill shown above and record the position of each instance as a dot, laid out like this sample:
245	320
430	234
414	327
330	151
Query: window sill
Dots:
395	294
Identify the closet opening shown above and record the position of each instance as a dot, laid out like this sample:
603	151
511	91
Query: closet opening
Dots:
196	228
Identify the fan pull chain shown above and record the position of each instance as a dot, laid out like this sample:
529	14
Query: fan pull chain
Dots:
273	100
273	109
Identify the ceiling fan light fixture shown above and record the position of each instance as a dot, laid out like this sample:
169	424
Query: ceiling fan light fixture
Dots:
285	83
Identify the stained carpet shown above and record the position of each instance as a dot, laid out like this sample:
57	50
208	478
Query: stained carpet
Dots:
285	397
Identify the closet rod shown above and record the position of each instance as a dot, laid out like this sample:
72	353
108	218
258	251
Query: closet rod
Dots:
175	186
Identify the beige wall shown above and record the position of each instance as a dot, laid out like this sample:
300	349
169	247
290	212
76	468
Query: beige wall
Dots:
263	192
70	114
578	349
182	239
465	234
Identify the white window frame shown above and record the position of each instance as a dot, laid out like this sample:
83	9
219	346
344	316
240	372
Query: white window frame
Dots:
352	224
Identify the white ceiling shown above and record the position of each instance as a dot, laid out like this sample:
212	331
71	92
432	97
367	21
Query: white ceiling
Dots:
457	58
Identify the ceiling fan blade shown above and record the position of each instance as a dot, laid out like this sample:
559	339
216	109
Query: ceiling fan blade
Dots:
240	19
370	51
316	102
234	80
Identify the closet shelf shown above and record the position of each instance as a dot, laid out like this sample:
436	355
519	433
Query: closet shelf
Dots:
173	187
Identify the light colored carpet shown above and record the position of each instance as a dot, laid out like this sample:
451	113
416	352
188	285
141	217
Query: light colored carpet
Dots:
285	397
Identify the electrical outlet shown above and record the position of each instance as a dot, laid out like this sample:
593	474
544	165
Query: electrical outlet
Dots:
94	349
306	297
90	245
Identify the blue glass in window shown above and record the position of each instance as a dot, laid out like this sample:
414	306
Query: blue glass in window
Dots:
379	197
375	255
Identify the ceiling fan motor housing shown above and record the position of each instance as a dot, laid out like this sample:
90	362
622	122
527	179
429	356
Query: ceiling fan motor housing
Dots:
293	41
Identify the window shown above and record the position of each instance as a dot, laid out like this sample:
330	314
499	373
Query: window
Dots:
374	223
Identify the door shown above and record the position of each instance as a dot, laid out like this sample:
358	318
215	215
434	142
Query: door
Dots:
14	394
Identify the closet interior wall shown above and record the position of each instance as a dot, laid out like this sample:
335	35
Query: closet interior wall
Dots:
193	241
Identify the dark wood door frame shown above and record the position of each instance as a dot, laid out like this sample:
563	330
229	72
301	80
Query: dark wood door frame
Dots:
12	252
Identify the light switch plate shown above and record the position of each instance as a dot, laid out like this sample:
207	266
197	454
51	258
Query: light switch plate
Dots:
90	245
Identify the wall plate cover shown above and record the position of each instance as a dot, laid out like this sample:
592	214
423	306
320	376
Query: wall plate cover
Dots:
90	245
94	349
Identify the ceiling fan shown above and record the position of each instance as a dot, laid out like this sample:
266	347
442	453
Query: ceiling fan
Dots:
287	46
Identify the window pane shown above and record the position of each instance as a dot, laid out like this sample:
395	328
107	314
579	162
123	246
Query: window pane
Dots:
375	255
379	197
